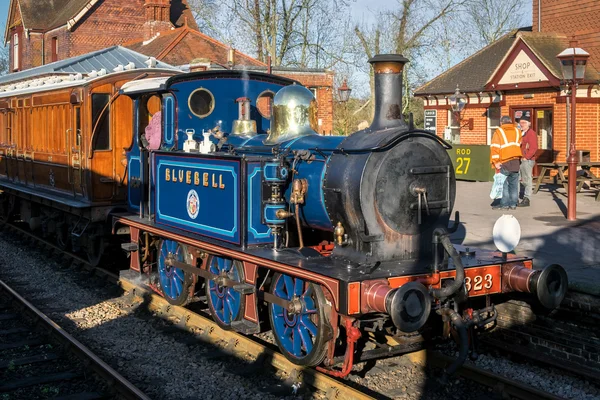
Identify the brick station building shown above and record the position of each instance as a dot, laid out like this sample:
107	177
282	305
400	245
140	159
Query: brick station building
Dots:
519	75
39	32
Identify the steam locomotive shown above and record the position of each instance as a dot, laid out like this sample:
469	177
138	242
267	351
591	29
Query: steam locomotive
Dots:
333	236
331	242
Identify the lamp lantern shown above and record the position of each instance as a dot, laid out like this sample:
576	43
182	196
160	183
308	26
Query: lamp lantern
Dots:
458	101
344	92
573	61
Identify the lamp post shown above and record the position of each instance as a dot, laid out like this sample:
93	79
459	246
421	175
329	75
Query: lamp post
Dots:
573	61
457	101
344	95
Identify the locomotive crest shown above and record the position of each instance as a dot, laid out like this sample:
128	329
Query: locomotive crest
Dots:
193	204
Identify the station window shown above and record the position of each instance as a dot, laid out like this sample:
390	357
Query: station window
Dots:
313	90
264	103
101	121
16	52
201	102
54	49
493	121
454	126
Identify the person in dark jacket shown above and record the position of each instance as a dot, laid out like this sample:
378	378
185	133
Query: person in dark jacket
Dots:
529	146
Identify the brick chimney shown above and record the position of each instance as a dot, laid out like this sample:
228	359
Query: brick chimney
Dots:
158	17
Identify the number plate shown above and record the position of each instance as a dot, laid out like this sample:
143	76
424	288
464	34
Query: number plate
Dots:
484	280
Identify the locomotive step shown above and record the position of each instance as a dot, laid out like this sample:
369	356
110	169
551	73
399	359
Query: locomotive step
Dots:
129	247
244	288
246	327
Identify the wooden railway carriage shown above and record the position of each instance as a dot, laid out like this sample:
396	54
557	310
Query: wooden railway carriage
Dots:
62	154
338	238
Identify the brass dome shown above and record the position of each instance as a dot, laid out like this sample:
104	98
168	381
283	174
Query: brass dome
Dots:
294	114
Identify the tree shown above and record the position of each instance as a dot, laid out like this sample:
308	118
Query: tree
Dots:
405	30
206	14
4	57
491	19
301	33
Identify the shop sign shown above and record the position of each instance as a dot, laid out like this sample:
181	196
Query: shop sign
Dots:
471	162
430	121
522	69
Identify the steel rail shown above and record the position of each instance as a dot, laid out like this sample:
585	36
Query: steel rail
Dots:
49	245
115	380
485	377
235	342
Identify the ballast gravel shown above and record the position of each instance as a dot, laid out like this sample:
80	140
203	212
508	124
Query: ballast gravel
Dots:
140	347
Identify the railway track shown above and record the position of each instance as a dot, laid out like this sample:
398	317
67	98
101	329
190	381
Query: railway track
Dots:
257	353
567	339
39	359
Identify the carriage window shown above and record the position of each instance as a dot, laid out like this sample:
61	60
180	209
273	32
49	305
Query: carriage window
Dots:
101	121
264	103
201	103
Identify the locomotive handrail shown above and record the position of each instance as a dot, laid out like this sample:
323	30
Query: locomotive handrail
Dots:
393	142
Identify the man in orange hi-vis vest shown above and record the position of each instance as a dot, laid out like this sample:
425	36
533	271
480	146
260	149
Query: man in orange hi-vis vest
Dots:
506	155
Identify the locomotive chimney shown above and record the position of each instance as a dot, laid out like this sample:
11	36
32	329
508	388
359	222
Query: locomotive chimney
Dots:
388	90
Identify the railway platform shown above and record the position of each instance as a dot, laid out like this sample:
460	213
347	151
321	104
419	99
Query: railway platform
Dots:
546	234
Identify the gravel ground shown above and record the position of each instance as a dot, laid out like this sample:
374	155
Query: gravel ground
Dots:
162	363
547	379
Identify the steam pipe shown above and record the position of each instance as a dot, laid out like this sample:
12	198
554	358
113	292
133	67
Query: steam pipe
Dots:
463	343
448	291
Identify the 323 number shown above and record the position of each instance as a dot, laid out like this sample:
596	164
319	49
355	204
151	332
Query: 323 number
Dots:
463	162
478	282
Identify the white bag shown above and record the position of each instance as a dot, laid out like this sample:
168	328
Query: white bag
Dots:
498	186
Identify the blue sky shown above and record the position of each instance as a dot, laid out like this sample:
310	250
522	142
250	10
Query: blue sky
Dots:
3	12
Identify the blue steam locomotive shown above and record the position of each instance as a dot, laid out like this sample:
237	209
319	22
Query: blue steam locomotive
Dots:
332	236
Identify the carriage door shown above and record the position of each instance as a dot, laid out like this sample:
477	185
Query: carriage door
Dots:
74	144
101	165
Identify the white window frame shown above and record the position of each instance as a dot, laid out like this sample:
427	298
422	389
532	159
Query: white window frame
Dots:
491	129
455	129
314	91
15	47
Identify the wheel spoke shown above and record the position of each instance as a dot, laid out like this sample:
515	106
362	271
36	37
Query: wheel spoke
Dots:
226	311
289	286
310	306
310	326
298	286
297	342
177	285
286	341
218	304
279	292
306	339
